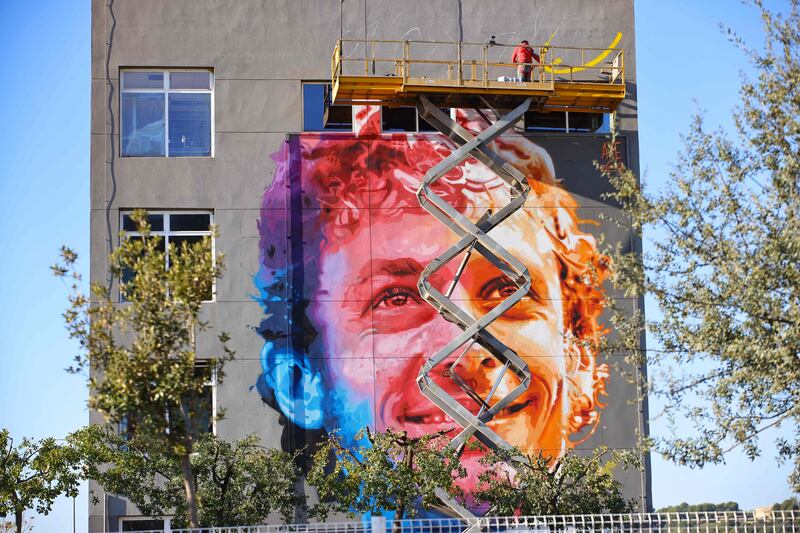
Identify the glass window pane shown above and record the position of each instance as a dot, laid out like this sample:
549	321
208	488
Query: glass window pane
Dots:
425	126
313	106
189	222
189	125
205	411
156	223
338	118
142	124
128	275
204	408
179	240
142	80
319	117
142	525
399	119
555	121
189	80
585	122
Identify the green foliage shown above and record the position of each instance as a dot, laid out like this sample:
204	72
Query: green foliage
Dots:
237	483
390	471
243	483
789	504
141	355
724	267
135	467
537	486
700	507
33	474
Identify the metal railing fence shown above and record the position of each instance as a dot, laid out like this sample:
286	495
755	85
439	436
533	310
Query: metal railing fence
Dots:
697	522
463	62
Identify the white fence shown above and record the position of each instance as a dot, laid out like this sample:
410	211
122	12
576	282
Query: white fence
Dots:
702	522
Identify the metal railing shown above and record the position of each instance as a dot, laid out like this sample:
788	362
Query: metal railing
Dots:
463	62
698	522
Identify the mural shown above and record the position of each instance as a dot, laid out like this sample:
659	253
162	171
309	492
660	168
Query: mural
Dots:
345	331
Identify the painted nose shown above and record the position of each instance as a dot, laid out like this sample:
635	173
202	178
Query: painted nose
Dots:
474	371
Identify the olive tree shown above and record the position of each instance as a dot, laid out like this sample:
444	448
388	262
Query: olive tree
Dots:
723	266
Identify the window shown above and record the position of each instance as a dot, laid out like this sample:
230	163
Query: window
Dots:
405	119
143	524
204	407
398	119
167	113
173	228
566	122
319	114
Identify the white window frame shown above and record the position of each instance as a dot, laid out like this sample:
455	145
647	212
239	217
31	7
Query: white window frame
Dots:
212	382
167	91
166	233
303	111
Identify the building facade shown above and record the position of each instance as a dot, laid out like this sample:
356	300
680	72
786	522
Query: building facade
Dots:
214	111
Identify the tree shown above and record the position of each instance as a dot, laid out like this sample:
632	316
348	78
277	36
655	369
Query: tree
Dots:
237	483
724	266
789	504
537	486
700	507
389	472
33	474
141	356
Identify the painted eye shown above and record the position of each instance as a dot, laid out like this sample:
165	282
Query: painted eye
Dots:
395	297
498	289
506	290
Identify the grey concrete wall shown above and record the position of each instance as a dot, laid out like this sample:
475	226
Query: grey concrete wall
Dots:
260	50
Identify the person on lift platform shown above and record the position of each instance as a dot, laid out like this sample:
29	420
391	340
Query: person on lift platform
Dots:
524	56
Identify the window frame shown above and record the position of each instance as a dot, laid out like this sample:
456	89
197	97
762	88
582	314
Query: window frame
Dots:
212	383
303	83
123	427
166	519
419	119
602	129
166	90
416	121
166	233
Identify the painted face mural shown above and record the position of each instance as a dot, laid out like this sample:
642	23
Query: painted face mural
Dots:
343	241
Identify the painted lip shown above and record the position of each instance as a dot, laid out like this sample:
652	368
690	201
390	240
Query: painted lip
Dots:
435	416
415	413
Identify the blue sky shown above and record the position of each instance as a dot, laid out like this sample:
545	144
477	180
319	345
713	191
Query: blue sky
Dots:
684	64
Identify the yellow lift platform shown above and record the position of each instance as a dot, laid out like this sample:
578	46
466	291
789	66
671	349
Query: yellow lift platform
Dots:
452	74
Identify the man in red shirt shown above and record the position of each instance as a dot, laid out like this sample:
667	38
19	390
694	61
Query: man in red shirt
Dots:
524	56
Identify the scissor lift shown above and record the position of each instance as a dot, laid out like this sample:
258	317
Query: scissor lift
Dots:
464	75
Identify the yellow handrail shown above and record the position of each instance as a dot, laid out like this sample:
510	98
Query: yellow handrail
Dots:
552	61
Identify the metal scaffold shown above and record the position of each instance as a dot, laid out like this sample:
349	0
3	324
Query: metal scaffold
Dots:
457	80
473	238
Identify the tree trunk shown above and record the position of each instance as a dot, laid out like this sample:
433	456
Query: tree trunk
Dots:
18	519
397	526
191	494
